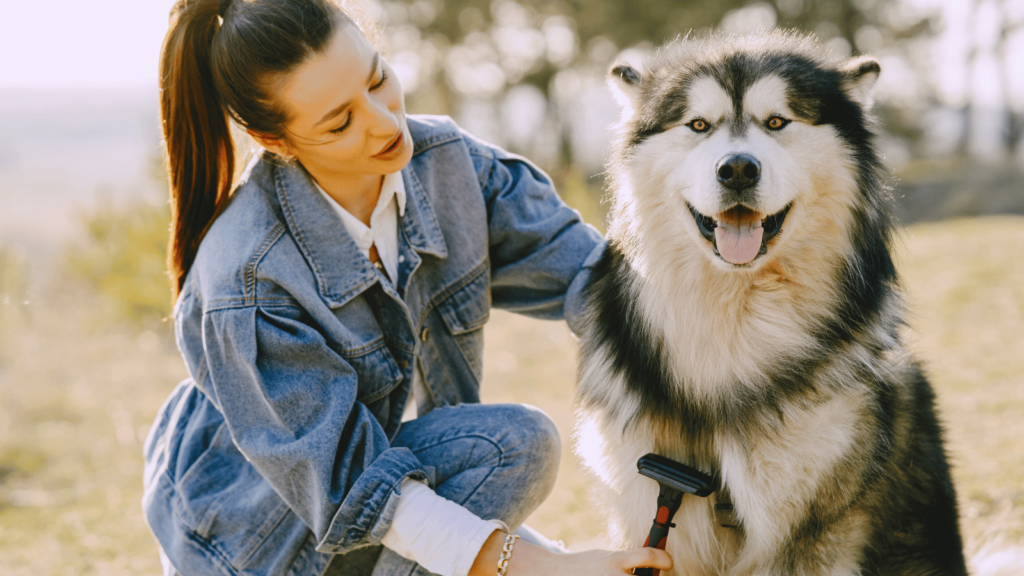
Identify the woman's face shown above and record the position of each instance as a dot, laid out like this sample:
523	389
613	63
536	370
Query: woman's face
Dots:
347	114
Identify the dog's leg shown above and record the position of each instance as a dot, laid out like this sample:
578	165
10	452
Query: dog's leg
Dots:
792	486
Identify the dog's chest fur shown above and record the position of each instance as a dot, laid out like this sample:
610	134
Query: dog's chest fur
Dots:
732	397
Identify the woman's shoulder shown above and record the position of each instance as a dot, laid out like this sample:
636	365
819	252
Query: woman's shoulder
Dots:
425	128
252	214
429	131
240	237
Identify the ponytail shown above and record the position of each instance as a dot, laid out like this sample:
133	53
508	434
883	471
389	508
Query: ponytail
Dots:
200	153
219	62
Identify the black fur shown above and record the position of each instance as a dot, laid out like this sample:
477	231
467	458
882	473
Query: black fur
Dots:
627	74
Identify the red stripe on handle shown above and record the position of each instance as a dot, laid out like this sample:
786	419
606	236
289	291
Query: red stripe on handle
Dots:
660	519
662	515
660	546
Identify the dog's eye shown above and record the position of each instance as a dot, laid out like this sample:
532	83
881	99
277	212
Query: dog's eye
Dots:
776	123
699	125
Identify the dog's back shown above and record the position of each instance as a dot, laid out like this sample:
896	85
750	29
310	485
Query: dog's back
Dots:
745	321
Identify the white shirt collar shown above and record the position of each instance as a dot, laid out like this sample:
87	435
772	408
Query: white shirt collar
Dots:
383	228
396	184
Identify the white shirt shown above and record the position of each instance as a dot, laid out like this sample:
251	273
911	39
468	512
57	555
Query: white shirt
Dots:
383	228
434	532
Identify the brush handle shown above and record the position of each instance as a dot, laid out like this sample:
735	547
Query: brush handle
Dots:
668	502
656	539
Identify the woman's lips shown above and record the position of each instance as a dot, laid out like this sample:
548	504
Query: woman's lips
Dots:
392	149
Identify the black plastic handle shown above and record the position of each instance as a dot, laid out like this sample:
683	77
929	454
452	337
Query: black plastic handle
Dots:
669	500
674	480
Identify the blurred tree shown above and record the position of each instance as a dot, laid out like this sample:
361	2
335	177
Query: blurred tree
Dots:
123	260
13	278
123	257
473	58
630	23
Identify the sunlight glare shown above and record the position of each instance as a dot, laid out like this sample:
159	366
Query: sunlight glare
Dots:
106	44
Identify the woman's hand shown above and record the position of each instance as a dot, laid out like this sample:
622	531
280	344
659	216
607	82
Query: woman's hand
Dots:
530	560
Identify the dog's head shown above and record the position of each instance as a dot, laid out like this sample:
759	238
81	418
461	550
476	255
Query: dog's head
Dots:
741	143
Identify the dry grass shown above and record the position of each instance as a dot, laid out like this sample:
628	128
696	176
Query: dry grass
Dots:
76	400
965	280
77	396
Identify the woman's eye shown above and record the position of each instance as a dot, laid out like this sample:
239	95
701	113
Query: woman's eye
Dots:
699	126
383	79
340	129
776	123
377	86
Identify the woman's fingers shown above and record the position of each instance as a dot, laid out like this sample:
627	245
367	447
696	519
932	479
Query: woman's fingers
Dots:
646	558
594	563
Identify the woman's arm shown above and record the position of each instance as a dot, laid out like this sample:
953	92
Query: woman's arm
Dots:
540	252
539	246
438	534
530	560
290	404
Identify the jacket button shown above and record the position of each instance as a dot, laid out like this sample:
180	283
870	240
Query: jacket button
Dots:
403	364
425	334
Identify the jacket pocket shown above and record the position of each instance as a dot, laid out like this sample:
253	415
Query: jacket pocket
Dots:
468	308
377	372
226	502
464	314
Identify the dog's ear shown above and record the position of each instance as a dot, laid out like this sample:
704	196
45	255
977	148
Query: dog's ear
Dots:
859	77
624	83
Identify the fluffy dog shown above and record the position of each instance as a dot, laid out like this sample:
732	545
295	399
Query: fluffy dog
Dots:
745	321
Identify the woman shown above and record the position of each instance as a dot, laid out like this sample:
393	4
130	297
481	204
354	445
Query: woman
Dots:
348	275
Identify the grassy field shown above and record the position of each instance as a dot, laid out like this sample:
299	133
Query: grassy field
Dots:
77	395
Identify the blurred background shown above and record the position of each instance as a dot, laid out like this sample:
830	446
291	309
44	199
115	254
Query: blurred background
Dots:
86	354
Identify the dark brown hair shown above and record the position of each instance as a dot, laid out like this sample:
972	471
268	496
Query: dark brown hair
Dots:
220	59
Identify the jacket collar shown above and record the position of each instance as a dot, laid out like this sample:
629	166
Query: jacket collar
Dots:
341	271
420	221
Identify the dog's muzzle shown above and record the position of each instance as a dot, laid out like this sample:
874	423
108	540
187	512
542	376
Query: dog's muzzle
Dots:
739	234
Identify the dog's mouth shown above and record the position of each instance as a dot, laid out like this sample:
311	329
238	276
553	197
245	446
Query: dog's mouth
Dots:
740	234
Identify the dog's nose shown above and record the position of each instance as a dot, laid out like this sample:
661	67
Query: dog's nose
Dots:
739	171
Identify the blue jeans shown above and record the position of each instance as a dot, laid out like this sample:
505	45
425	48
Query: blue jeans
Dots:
497	460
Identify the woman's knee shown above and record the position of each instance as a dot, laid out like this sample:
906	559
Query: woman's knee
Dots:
497	460
533	442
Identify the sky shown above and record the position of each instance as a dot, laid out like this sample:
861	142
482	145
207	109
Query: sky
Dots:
76	44
113	45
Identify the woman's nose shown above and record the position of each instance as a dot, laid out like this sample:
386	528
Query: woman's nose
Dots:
385	116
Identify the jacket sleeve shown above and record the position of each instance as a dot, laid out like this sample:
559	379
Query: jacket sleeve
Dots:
541	250
290	403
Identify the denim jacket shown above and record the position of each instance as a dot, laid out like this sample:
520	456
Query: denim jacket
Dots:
301	357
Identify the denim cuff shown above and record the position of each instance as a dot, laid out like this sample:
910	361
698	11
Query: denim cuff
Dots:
368	509
575	301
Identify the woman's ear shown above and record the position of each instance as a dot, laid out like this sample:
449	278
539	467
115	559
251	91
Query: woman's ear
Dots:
274	144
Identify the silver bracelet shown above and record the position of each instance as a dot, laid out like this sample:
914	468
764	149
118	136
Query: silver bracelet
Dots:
506	553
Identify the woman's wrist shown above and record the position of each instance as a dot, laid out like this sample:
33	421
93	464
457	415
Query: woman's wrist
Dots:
506	553
526	559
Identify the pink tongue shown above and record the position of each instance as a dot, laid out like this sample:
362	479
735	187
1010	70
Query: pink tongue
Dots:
738	235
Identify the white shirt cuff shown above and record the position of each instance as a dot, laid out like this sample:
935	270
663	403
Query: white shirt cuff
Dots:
435	532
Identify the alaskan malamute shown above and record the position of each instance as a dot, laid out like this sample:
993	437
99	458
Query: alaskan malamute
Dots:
745	321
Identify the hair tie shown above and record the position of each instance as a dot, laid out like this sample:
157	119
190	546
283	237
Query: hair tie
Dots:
223	8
